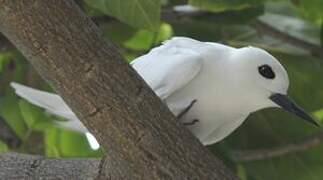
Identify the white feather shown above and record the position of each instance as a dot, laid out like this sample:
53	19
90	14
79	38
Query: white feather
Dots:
169	67
52	103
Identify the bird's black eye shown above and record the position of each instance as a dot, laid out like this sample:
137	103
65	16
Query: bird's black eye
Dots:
266	71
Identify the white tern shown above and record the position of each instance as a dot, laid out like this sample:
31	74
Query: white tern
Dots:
210	87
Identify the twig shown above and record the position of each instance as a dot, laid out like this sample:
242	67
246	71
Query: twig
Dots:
263	154
267	29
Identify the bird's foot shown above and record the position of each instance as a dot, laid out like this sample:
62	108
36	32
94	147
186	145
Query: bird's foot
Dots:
186	109
191	123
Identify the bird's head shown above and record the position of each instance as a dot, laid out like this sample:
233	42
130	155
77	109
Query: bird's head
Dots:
263	81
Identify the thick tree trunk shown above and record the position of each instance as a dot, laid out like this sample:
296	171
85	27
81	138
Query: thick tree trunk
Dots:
142	138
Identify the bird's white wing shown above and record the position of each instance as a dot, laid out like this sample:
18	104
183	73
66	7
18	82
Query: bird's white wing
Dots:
171	66
166	69
52	103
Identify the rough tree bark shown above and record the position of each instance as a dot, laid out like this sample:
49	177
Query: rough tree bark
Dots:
21	166
142	138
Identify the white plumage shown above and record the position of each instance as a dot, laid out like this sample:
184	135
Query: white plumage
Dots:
52	103
227	84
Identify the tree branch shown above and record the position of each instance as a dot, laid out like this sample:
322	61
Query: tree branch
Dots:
263	154
21	166
265	28
142	137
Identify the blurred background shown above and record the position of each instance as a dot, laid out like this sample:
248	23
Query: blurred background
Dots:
271	144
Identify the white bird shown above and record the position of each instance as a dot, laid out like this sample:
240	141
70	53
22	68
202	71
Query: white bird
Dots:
211	87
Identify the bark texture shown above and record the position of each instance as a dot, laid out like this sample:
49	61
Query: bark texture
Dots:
20	166
142	138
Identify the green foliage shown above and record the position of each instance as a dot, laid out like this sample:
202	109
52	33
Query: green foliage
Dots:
224	5
138	13
9	109
3	147
34	117
4	59
118	31
143	39
136	28
311	9
65	143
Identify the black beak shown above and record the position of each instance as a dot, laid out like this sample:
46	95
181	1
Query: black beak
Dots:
284	102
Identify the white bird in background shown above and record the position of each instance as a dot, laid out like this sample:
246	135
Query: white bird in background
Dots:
210	87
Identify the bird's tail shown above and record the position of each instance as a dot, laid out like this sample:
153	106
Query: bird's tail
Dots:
52	103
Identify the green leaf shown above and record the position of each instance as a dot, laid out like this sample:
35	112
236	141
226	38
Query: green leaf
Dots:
224	5
117	31
137	13
143	39
242	173
34	116
319	115
5	58
52	142
9	109
3	147
65	143
310	9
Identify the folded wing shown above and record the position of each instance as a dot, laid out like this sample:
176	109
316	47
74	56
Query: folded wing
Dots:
171	66
166	69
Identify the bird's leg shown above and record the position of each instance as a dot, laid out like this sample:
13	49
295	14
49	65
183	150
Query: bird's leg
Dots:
185	111
181	114
191	123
